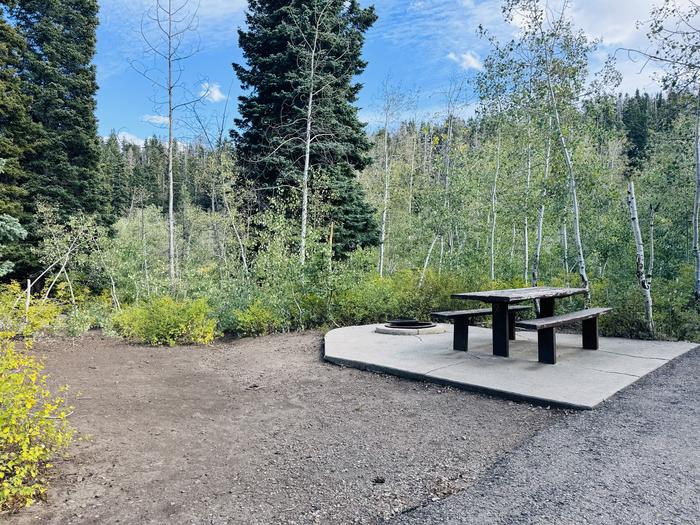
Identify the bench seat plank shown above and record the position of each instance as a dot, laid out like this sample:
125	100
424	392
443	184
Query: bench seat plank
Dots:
560	320
479	312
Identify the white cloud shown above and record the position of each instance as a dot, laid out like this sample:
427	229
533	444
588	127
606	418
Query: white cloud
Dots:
157	120
212	92
129	138
466	61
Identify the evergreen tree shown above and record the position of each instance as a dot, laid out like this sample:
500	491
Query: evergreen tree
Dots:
16	127
59	77
635	116
296	49
114	170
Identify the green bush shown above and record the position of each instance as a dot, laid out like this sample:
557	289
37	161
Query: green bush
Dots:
257	319
33	428
165	321
15	318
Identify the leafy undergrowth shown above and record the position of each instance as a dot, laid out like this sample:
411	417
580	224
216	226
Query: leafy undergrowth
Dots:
166	321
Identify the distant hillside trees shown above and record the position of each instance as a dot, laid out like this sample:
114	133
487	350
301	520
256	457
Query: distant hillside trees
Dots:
299	136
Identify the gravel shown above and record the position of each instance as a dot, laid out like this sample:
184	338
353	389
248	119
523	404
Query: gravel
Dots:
633	460
261	431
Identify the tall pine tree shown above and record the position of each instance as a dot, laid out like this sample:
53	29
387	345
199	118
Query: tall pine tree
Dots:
299	116
16	127
59	78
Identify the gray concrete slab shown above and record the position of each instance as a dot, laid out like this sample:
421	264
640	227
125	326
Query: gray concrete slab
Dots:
581	378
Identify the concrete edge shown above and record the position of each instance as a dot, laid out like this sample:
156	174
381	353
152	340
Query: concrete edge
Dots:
379	369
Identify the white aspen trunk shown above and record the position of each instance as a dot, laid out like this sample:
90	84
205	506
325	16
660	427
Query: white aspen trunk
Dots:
526	265
427	262
639	243
144	250
540	214
442	254
652	254
307	153
565	246
696	204
512	244
572	188
494	202
448	169
241	246
414	146
385	200
171	195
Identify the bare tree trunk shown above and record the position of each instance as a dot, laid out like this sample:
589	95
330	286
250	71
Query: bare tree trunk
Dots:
494	198
526	228
241	246
414	145
572	187
696	204
144	249
652	253
565	246
307	156
540	215
639	243
385	201
171	193
427	262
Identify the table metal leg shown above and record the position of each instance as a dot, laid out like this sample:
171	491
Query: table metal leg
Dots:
546	307
500	330
511	326
461	336
547	346
590	333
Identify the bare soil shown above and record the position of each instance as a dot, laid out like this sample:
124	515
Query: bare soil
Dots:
261	431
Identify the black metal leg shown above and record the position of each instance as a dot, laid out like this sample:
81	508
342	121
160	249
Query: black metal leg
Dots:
547	346
546	307
511	326
590	333
500	330
461	336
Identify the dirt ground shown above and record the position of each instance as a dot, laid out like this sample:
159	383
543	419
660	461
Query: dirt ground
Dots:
261	431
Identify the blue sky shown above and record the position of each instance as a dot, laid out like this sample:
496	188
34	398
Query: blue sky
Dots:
419	44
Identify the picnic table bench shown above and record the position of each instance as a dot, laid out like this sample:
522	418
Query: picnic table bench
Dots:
546	337
462	320
503	330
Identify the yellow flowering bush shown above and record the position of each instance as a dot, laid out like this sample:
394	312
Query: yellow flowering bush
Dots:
33	427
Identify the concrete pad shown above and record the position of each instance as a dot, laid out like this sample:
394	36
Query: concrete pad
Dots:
580	379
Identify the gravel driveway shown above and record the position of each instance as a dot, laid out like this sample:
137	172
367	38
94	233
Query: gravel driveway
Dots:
261	431
634	460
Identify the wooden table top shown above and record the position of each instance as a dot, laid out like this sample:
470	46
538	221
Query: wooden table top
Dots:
515	295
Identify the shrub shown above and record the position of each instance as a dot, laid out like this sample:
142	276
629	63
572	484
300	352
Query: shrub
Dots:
16	319
165	321
257	319
33	428
93	313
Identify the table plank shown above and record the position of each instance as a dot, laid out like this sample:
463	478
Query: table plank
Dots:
515	295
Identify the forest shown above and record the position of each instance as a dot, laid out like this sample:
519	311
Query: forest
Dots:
285	212
294	214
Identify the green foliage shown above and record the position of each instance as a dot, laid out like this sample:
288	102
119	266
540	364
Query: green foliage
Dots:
33	427
271	146
10	230
257	319
86	315
165	321
15	318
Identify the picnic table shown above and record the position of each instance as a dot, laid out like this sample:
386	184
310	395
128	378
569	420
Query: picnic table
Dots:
501	300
